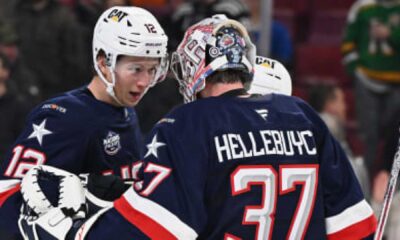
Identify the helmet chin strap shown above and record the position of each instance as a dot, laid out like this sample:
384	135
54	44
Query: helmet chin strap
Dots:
109	86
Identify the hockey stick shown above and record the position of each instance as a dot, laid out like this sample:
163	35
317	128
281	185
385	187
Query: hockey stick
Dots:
391	187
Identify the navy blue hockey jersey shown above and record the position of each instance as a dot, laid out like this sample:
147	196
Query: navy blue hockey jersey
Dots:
231	168
74	132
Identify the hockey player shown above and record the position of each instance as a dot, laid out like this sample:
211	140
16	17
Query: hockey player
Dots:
93	129
230	165
371	55
270	76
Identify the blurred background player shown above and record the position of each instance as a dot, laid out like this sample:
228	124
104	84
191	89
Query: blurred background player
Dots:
371	55
370	50
93	129
23	80
329	101
190	12
281	45
50	45
13	107
229	165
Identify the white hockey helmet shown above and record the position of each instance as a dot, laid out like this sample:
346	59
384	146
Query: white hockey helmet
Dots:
270	76
129	31
213	44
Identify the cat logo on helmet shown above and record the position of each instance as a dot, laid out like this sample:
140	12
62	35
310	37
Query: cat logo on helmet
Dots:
116	15
262	60
270	76
267	65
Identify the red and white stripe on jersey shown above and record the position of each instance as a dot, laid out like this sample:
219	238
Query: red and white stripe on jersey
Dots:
151	218
8	188
355	222
85	228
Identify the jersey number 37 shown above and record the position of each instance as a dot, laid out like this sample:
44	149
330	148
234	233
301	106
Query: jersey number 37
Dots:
265	176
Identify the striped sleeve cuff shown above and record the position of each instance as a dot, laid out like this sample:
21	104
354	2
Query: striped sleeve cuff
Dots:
355	222
151	218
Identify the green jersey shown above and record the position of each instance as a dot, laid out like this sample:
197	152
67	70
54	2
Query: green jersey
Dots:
365	48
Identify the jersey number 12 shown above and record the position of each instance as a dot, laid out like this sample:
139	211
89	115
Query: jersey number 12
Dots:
18	167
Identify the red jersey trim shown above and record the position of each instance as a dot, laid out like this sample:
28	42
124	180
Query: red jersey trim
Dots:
8	193
359	230
147	225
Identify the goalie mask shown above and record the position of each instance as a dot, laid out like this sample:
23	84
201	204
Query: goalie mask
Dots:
214	44
129	31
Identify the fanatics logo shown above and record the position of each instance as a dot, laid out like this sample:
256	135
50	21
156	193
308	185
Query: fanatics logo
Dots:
112	143
263	113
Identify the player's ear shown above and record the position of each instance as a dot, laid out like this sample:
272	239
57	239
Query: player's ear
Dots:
101	63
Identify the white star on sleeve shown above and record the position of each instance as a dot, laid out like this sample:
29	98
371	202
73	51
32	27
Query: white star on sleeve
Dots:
153	146
39	131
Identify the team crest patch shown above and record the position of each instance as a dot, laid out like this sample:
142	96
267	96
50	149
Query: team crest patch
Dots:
112	143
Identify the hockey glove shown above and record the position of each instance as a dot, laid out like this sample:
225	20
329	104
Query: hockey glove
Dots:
49	214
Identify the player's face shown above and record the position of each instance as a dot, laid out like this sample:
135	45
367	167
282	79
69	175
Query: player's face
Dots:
340	104
337	105
133	77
